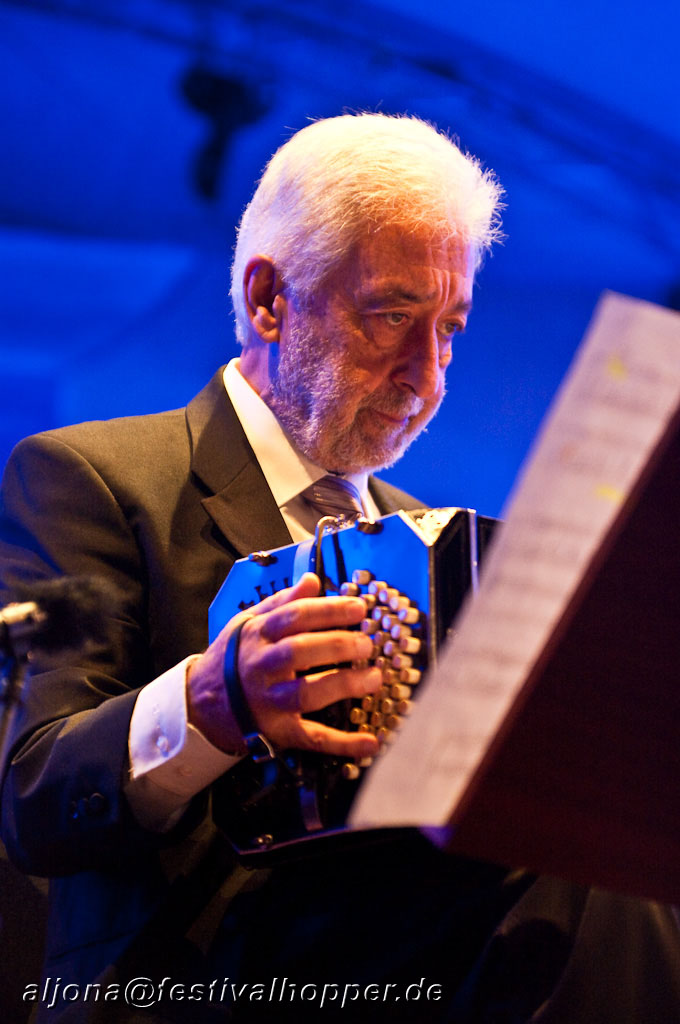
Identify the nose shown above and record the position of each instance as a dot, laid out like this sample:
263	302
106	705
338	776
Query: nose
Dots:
419	368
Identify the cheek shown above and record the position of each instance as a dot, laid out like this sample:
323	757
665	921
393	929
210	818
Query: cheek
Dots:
432	404
359	378
367	389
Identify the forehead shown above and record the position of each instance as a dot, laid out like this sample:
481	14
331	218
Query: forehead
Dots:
410	263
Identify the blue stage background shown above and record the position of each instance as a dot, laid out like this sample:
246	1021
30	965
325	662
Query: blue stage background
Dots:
132	134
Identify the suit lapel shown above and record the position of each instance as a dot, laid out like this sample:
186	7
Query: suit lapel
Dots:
389	498
239	501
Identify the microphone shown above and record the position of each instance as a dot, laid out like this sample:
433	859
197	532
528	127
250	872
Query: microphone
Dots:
50	616
54	615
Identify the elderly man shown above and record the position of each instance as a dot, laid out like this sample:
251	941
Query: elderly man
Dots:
353	271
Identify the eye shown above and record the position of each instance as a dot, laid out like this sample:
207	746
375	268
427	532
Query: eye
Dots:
395	319
452	327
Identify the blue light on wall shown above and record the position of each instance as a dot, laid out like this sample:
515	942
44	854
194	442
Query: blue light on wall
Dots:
115	265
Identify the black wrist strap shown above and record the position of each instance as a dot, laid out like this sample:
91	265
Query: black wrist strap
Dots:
259	747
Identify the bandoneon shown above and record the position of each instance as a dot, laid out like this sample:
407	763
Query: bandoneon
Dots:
413	570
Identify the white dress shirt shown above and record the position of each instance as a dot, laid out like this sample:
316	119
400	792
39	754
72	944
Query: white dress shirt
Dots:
170	760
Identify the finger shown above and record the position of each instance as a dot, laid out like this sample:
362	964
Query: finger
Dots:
307	586
305	735
324	688
314	613
296	654
311	693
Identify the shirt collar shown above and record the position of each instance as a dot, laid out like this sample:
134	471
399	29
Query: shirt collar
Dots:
287	471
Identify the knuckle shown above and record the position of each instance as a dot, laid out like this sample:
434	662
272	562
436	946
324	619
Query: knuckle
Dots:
284	654
336	648
253	628
359	683
317	741
286	617
284	696
363	645
354	610
280	622
250	627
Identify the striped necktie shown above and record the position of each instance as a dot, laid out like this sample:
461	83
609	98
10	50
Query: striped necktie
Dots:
334	496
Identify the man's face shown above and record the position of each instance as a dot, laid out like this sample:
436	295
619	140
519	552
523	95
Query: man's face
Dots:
360	372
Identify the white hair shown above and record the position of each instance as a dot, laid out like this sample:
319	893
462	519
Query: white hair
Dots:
342	177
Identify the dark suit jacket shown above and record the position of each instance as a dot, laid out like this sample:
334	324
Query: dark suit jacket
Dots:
162	506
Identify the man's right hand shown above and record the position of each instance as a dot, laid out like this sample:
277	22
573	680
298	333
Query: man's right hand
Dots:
283	639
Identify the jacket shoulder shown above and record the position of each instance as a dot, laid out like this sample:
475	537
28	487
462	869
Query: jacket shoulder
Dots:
152	447
136	435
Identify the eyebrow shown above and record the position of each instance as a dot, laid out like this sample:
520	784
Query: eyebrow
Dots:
384	296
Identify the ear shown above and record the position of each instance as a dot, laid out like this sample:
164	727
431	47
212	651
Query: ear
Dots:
265	303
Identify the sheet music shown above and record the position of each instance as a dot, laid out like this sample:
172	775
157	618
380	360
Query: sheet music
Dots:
611	411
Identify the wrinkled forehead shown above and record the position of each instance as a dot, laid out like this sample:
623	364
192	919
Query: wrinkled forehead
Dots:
393	250
395	254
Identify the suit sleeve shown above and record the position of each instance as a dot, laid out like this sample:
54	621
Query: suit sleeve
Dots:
63	808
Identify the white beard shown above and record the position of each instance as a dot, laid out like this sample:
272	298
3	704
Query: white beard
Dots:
310	393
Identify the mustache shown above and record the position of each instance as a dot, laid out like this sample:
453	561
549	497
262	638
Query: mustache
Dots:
395	404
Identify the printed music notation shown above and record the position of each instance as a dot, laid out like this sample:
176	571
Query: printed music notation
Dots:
612	414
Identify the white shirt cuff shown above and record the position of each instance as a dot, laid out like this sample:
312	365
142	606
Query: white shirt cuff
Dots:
170	760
